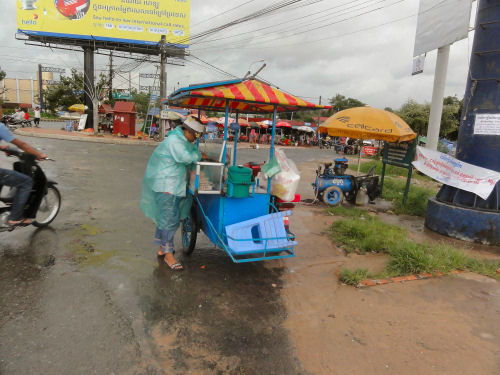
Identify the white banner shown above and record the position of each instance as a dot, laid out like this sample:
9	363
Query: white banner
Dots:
456	173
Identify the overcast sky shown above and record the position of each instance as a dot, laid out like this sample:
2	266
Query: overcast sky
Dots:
364	56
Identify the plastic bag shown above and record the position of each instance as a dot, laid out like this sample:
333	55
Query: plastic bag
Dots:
271	168
285	184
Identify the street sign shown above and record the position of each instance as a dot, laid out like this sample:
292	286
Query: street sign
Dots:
50	69
122	96
154	97
147	88
401	155
149	75
164	114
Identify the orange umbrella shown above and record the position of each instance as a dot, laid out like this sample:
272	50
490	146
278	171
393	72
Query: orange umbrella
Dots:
368	123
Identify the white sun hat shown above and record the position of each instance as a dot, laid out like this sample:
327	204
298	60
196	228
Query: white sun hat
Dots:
194	124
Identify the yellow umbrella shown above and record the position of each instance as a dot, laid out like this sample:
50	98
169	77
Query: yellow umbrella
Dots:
368	123
77	108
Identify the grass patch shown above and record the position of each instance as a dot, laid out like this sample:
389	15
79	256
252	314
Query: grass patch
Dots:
354	277
406	256
390	170
367	234
349	212
416	203
394	188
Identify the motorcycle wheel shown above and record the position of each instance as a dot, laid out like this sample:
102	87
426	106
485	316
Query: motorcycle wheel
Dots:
189	232
49	208
333	196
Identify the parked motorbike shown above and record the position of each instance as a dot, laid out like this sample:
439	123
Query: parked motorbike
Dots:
13	123
44	201
323	143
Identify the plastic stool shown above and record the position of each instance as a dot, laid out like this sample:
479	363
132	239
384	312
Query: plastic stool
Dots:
250	236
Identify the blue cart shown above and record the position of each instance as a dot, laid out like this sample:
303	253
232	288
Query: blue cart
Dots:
247	228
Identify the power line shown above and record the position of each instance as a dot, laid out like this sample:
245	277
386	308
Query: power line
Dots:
225	12
303	31
213	66
302	17
261	12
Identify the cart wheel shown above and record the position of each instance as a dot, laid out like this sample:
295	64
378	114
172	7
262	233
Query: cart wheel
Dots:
333	196
189	229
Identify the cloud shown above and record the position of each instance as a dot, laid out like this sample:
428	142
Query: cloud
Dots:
353	56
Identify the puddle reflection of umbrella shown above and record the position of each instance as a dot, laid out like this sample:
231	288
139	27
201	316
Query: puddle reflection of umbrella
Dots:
367	123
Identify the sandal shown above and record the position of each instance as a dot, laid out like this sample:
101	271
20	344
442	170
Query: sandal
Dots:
175	266
19	223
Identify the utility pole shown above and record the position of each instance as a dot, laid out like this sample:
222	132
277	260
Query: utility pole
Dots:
317	122
319	112
443	56
110	77
40	87
163	82
88	84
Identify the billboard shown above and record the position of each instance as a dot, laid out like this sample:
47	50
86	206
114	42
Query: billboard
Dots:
441	23
127	21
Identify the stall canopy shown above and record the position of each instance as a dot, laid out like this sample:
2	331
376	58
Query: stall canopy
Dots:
283	124
246	96
306	129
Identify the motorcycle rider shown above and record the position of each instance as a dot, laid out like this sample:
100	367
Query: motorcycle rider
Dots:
19	115
20	181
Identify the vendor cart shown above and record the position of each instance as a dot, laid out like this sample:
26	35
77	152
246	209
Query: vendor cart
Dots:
238	216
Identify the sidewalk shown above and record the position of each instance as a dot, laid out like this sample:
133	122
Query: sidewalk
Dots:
114	139
82	136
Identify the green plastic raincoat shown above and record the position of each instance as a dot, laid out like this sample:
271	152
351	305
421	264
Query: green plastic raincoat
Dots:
167	172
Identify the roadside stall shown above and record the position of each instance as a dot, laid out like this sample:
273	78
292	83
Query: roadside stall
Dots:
106	118
234	209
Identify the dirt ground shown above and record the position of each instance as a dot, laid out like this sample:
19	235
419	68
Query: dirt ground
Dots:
447	325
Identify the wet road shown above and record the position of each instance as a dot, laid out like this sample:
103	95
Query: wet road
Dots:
88	295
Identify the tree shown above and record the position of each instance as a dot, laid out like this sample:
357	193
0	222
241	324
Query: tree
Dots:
69	90
340	102
450	120
141	102
415	115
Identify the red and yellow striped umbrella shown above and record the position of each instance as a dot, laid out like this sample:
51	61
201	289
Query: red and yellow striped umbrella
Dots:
246	96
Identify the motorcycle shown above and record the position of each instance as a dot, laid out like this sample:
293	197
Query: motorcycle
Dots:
322	143
44	200
13	123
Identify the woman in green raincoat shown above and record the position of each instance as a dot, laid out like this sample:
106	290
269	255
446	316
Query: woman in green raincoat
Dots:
164	184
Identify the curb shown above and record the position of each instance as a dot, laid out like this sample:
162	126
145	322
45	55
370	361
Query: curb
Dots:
402	279
86	138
